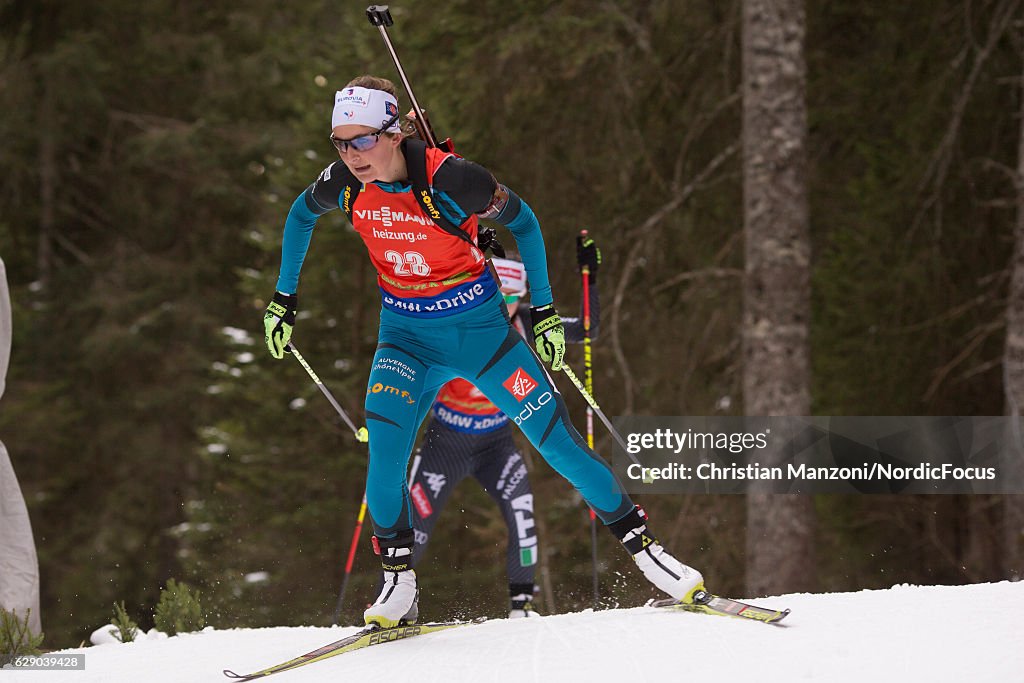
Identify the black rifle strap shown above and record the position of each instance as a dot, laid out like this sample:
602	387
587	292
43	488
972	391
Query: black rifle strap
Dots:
350	192
416	164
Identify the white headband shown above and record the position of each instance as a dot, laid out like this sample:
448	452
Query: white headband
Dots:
364	107
512	274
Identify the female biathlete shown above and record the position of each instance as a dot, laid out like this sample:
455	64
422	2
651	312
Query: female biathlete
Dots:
442	317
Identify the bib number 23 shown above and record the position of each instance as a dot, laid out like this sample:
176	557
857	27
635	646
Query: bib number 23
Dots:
411	262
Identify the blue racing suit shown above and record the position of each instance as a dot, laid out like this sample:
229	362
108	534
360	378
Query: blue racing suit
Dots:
422	344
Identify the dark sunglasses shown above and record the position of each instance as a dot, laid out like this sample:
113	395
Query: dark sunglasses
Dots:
362	143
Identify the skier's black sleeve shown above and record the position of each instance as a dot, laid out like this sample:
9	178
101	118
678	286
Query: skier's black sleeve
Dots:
469	184
475	190
325	193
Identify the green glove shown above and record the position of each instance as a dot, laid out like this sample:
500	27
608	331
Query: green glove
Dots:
549	335
278	322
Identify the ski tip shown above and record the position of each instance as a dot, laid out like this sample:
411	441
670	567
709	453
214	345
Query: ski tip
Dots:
708	603
775	618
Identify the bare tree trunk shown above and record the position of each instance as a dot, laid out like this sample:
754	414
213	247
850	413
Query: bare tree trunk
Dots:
776	359
1013	537
1013	368
982	556
47	185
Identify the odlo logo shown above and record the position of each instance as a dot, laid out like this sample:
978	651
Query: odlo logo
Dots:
531	408
520	384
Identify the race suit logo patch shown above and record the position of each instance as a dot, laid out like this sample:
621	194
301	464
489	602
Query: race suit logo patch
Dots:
523	506
520	384
420	500
435	481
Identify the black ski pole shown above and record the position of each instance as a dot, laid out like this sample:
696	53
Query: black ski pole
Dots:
363	437
588	374
348	563
597	409
361	434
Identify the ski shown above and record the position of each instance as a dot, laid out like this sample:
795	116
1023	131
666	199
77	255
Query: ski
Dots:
371	635
706	603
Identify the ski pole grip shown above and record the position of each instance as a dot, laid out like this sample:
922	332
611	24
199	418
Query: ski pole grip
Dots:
379	15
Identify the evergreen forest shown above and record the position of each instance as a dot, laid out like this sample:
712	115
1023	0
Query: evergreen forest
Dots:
149	152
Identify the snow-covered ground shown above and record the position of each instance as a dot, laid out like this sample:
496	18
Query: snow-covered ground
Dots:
907	633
